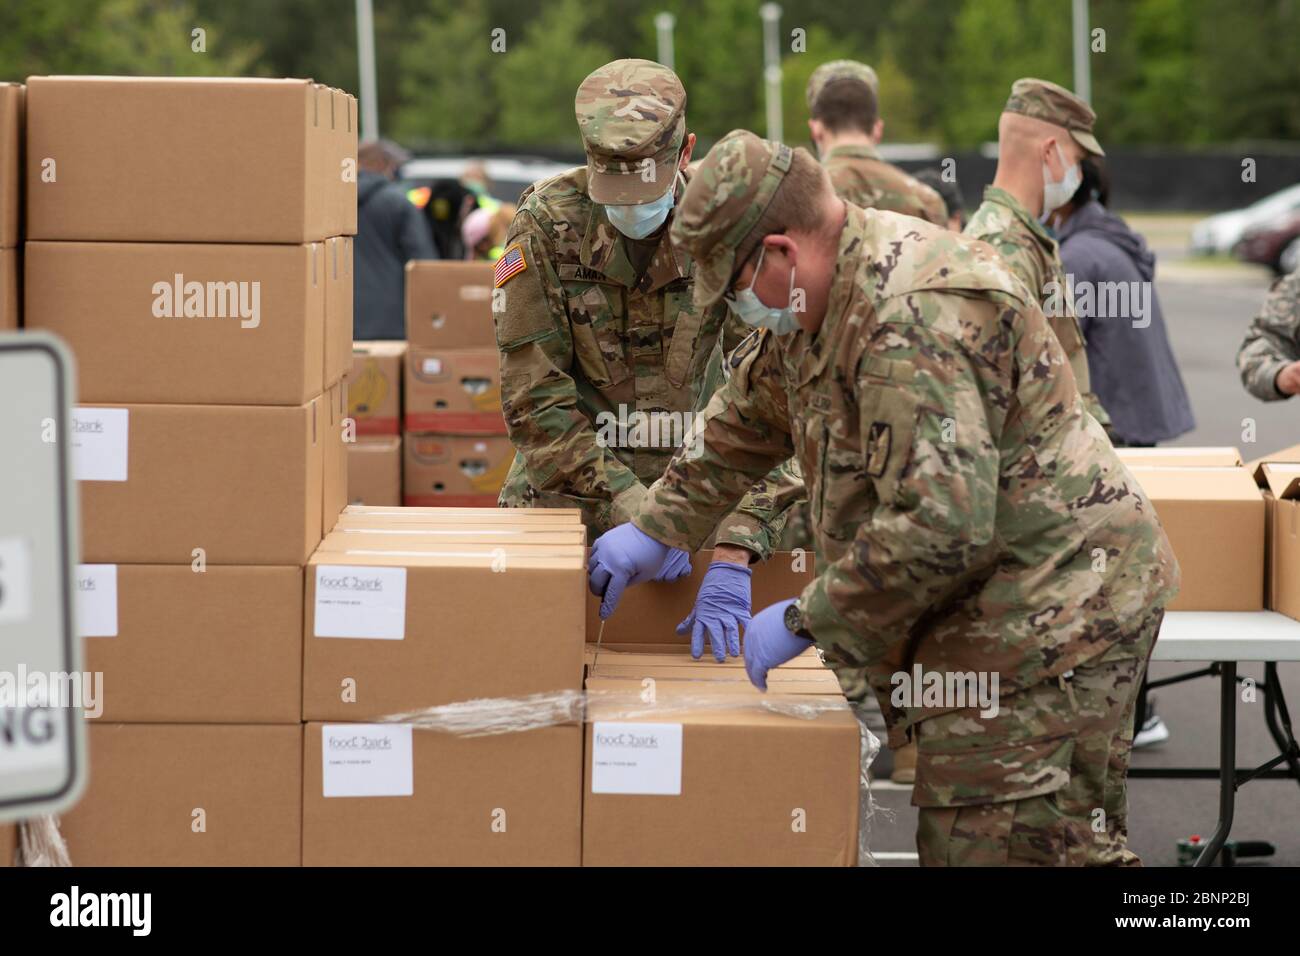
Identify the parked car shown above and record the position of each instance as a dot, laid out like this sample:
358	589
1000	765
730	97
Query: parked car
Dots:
509	175
1275	244
1220	233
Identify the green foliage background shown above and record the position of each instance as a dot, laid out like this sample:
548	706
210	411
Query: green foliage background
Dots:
1174	72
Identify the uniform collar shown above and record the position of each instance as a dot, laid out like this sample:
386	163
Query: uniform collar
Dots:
1000	196
605	250
848	259
853	151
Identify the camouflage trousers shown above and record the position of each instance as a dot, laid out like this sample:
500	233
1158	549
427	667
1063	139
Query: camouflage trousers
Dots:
798	529
1042	783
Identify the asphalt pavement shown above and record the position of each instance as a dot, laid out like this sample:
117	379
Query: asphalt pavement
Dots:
1207	307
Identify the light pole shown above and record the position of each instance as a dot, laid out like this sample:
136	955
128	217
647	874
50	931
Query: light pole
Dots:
771	14
366	70
664	28
1082	65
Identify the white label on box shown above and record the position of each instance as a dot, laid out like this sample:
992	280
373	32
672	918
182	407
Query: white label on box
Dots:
475	293
360	602
636	758
432	366
367	760
99	443
15	580
97	600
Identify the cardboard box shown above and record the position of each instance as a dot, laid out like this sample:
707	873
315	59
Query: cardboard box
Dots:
10	313
556	539
189	795
458	470
650	612
243	160
1288	454
338	438
790	786
365	515
679	656
1281	484
176	646
455	392
1214	518
449	304
375	388
185	323
338	308
9	842
242	482
12	122
375	471
505	800
423	628
1220	457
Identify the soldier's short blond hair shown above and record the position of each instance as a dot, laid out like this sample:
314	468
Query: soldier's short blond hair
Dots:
797	206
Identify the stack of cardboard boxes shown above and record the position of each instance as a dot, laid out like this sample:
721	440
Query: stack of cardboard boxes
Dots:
202	279
375	405
454	444
11	163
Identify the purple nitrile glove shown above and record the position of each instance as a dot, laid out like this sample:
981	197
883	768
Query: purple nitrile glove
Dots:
769	643
721	606
676	565
622	556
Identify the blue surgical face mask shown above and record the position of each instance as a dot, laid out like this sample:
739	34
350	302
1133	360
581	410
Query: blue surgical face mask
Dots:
749	308
637	222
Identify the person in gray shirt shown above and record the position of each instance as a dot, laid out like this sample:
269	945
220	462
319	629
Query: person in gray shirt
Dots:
1112	273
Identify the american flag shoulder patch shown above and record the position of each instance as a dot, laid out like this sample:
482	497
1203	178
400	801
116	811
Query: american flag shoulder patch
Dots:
511	263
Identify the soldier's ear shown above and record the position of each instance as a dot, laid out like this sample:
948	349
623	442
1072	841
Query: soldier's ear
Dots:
878	130
687	149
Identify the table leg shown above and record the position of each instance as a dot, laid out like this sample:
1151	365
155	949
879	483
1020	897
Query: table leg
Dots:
1227	761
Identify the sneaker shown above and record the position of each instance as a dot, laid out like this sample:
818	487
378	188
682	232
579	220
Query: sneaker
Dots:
1153	732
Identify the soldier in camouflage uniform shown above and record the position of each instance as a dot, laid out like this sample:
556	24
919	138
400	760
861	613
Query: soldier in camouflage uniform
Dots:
971	518
597	329
1044	132
845	125
1269	357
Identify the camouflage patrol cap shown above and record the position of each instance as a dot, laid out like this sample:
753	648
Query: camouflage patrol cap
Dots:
841	70
723	201
632	115
1057	105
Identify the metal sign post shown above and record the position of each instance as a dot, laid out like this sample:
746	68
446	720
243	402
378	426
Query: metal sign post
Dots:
42	737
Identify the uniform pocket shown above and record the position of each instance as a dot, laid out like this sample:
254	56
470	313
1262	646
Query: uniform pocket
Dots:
599	345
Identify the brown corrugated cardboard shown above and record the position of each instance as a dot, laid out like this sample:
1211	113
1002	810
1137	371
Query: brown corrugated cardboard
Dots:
444	626
242	160
375	387
189	795
504	800
1281	484
1215	521
9	841
440	539
785	680
338	439
338	308
10	313
242	482
182	322
648	613
454	392
174	645
1214	457
449	305
359	516
790	786
664	655
1288	454
11	163
375	470
454	470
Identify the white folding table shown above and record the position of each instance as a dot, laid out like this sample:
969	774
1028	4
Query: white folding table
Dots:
1226	639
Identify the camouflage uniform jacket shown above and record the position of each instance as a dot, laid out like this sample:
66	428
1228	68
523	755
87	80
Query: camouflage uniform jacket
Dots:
1032	254
581	335
860	176
1273	341
969	517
